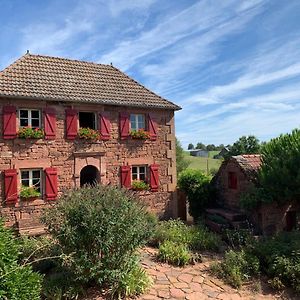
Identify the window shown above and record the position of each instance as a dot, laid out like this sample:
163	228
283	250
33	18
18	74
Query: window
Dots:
137	121
87	120
232	180
139	173
30	117
31	178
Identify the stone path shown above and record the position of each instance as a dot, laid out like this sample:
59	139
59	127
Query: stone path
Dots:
190	283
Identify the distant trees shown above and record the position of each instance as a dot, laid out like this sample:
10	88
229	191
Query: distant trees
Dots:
181	162
191	146
245	145
200	146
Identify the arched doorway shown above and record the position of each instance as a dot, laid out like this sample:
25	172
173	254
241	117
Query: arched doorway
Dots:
89	175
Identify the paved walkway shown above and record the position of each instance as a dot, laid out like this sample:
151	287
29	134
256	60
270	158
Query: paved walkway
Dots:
190	283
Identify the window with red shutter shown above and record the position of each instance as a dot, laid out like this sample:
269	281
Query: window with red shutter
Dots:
126	176
124	125
232	180
154	177
105	126
49	123
51	183
152	127
10	185
71	123
9	122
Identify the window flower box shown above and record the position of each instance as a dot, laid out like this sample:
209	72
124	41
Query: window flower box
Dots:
140	134
88	134
139	185
30	133
29	193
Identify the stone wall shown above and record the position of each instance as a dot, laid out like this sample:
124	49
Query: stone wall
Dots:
69	157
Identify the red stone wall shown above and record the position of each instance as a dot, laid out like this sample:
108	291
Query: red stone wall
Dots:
69	157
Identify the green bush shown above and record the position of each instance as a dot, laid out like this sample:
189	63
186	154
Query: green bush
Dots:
237	267
197	187
174	253
100	229
17	282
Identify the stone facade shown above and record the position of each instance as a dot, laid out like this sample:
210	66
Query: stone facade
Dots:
70	156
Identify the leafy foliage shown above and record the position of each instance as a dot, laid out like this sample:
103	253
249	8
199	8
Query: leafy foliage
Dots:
181	162
88	133
174	253
191	146
139	185
140	134
197	187
100	229
280	172
245	145
30	133
29	192
17	282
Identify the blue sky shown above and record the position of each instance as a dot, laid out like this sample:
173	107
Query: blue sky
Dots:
233	65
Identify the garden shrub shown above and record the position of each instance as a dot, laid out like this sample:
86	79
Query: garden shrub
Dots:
198	189
17	282
174	253
237	267
100	229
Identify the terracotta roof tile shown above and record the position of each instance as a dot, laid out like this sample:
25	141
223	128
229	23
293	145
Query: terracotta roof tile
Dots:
52	78
249	163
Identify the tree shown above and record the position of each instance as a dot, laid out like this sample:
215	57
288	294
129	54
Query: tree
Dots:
245	145
211	147
191	146
181	162
201	146
280	172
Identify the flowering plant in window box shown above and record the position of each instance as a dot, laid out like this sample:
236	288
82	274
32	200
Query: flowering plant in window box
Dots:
139	185
30	133
88	134
140	134
29	192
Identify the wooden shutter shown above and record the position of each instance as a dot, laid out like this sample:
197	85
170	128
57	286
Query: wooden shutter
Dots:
9	122
126	176
154	177
124	125
11	185
232	180
105	126
152	127
71	123
51	183
49	123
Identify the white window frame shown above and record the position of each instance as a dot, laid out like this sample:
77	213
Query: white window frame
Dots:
139	172
31	178
95	118
30	117
136	121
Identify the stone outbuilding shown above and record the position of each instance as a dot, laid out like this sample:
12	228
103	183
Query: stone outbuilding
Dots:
66	123
235	176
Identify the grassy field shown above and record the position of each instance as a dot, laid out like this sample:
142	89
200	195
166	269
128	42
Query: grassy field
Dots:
202	163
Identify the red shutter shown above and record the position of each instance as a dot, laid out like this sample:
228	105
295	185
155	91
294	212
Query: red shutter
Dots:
9	122
232	180
49	123
152	127
154	177
11	185
126	176
71	123
51	183
105	126
124	125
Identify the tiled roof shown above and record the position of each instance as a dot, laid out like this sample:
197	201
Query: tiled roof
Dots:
59	79
249	163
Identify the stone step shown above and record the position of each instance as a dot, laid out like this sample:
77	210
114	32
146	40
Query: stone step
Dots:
30	227
227	214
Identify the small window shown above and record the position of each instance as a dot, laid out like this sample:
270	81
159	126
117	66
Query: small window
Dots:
32	178
87	120
139	173
30	118
137	121
232	180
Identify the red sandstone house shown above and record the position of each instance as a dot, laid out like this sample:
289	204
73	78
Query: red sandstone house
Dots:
60	96
235	176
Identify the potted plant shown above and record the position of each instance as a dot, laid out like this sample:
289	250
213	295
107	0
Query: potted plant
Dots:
29	193
88	133
140	134
30	133
139	185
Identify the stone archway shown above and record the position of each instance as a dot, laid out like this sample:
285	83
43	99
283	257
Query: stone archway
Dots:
89	175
